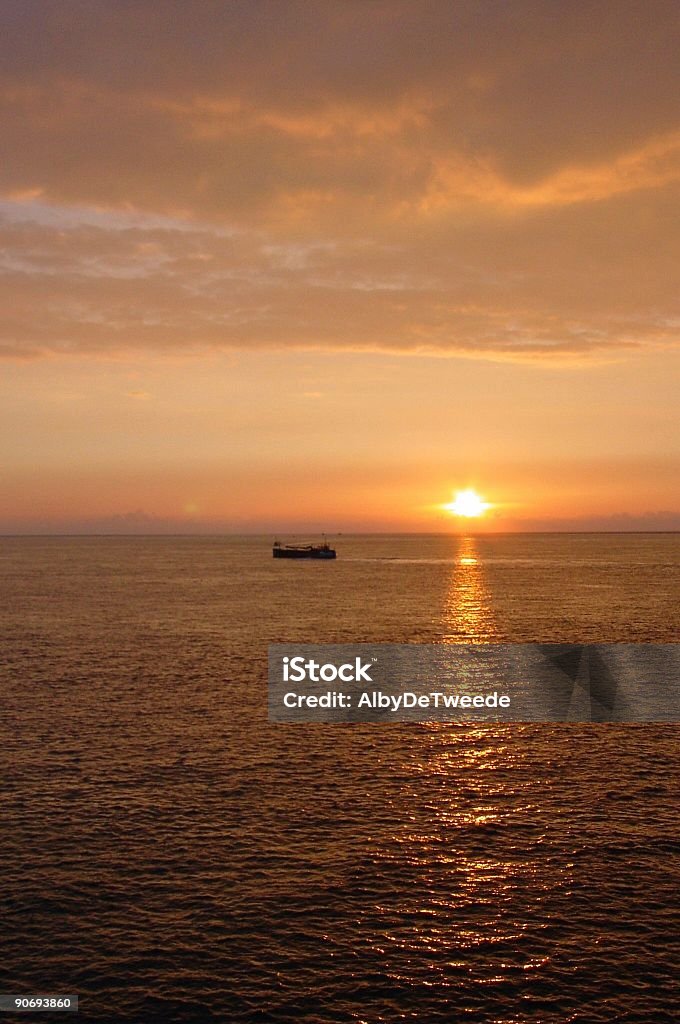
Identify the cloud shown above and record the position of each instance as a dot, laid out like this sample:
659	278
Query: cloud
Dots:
621	522
489	291
651	166
493	181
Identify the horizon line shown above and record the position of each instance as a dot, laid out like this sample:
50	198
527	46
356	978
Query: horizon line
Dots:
348	533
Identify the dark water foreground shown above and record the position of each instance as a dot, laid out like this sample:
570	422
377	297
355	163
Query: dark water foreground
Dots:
169	856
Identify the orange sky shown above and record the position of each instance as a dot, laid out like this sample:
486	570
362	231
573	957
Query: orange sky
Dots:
315	266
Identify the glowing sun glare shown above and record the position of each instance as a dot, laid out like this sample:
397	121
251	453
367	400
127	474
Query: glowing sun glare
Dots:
467	503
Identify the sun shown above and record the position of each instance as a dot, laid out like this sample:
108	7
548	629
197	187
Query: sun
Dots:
468	504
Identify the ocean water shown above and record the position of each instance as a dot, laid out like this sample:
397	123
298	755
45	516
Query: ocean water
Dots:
169	856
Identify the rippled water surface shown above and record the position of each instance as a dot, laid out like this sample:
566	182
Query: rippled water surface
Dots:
170	856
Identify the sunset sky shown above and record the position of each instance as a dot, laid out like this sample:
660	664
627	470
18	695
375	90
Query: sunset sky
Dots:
316	266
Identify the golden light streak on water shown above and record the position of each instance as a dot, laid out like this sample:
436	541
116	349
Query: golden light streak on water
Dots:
468	611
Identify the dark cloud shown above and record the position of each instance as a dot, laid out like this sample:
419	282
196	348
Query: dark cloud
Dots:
494	179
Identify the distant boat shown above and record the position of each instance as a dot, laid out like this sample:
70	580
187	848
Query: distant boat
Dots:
324	550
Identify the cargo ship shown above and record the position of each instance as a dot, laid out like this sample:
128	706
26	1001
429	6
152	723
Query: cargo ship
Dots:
324	551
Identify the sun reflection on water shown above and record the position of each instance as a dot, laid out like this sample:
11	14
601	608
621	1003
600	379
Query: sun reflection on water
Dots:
468	610
469	876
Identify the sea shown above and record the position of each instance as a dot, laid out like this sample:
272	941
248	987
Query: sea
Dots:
169	855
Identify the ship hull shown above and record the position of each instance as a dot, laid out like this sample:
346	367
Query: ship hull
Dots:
317	553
